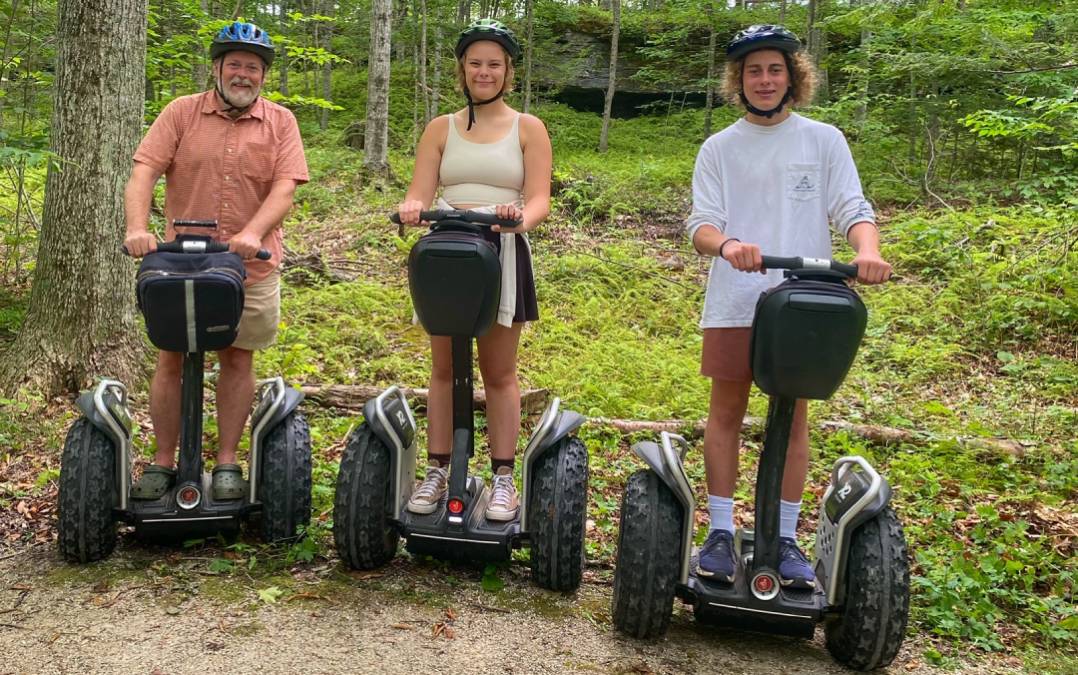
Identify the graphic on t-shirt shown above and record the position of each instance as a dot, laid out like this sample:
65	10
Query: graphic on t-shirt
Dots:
802	181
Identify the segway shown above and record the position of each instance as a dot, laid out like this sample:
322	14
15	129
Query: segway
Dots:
455	280
805	335
191	294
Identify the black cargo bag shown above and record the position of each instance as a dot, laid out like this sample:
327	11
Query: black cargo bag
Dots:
805	335
456	282
192	302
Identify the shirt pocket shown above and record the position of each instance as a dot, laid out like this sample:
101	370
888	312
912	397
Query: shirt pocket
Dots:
803	181
257	161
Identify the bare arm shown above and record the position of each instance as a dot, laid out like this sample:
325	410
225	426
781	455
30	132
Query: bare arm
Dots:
538	163
865	239
268	217
428	160
137	197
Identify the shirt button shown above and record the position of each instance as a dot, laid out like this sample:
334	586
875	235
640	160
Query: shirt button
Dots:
225	205
229	150
227	177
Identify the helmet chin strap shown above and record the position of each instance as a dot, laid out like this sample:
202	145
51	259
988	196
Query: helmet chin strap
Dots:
766	113
472	105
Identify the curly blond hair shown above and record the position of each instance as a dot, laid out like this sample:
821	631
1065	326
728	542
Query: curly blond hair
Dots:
803	79
507	84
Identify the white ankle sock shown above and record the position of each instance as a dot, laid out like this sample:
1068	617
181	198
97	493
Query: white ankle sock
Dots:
722	513
788	515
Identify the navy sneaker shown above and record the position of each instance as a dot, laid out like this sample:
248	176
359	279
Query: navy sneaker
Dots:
717	560
794	568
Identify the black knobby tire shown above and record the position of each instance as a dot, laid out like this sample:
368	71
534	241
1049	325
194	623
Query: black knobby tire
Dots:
88	491
285	479
364	537
870	630
557	515
648	559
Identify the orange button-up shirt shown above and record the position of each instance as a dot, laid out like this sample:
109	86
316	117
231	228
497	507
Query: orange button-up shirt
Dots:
219	168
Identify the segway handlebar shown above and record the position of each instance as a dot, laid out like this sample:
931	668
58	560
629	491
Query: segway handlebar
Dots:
476	217
197	247
772	262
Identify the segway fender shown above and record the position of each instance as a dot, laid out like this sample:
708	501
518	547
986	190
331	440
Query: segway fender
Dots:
106	408
554	425
668	466
390	418
275	402
857	493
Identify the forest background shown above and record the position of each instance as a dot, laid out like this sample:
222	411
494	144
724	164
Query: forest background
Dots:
962	116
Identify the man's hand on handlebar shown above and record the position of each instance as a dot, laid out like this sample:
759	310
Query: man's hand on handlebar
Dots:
871	268
139	244
245	244
743	256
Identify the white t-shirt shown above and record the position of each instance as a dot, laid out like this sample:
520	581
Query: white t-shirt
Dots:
777	187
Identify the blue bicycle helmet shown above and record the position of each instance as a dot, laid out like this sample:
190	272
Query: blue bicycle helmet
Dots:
766	36
243	37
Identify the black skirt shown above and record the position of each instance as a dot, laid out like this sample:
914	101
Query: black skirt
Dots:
527	305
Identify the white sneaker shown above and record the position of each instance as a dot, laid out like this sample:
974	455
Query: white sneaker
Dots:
428	494
503	500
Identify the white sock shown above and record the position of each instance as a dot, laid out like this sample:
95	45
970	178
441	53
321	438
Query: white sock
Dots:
788	514
722	513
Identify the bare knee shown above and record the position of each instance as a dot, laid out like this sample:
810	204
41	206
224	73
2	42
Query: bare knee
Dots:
499	376
236	361
169	365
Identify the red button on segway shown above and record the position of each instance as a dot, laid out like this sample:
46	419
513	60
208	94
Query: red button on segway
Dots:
764	584
455	506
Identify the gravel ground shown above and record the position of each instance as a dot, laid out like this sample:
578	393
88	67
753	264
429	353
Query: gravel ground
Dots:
167	613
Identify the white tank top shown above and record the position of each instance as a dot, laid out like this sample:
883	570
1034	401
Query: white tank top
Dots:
482	174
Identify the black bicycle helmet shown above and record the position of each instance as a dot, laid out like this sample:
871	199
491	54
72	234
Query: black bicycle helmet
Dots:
489	29
243	37
765	36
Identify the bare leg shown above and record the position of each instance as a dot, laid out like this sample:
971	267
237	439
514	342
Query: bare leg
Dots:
165	406
440	397
235	392
797	455
498	365
722	435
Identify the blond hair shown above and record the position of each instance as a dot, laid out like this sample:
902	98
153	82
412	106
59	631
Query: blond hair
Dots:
802	79
507	84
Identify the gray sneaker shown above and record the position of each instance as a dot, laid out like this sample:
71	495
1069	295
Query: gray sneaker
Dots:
428	494
503	499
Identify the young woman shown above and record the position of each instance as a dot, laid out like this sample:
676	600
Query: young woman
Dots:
484	156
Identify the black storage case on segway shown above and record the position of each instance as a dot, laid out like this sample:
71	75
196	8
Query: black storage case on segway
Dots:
805	334
191	303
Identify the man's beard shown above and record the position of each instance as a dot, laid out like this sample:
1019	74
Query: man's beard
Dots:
241	97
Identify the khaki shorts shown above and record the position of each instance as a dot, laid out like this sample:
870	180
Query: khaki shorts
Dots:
726	354
261	314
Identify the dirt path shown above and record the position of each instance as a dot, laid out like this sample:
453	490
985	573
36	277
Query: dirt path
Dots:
167	612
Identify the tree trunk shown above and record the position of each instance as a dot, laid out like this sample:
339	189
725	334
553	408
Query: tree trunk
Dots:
327	68
376	143
612	82
200	73
782	12
81	317
436	79
464	12
709	104
529	36
282	57
424	92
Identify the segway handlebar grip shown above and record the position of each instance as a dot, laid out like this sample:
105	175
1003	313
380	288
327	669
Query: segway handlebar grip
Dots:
772	262
198	247
475	217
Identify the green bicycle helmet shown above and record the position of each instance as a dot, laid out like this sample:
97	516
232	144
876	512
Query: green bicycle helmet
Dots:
239	36
488	29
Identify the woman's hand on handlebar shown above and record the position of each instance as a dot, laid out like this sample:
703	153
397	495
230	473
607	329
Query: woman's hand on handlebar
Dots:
509	212
871	268
138	244
409	212
743	256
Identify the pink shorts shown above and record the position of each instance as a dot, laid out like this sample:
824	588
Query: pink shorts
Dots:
726	354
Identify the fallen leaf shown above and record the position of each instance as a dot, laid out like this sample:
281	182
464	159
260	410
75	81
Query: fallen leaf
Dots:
401	626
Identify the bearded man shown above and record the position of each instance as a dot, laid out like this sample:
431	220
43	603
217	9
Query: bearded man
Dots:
235	158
